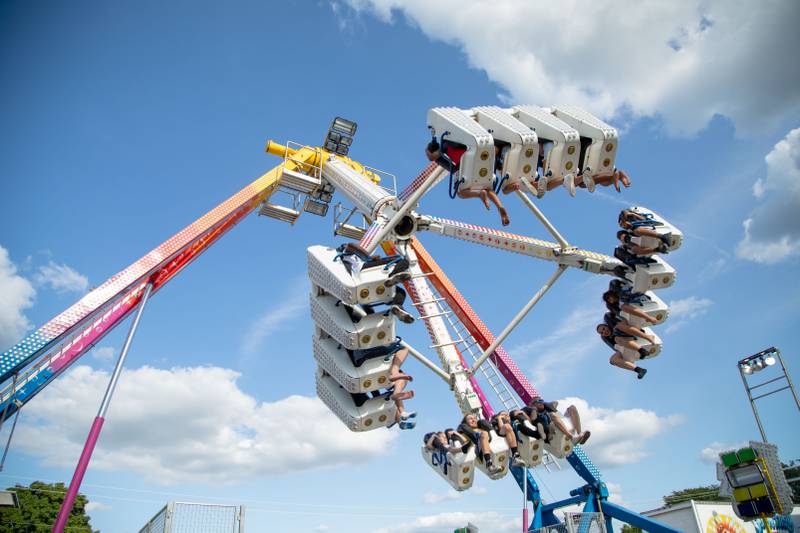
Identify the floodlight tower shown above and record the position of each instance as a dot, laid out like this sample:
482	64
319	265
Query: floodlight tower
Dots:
756	363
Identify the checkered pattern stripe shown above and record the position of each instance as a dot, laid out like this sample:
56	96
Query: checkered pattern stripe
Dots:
417	182
158	266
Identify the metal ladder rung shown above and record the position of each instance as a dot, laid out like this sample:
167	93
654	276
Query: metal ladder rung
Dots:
434	300
434	315
423	275
451	343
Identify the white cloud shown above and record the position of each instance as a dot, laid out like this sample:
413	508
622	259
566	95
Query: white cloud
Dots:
268	323
190	425
682	61
61	278
97	506
619	437
710	454
772	231
488	522
103	353
322	527
681	312
433	497
17	295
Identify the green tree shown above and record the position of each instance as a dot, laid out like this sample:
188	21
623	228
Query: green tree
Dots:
627	528
792	471
708	493
38	507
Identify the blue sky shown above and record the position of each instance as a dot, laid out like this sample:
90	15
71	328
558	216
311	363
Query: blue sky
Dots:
123	123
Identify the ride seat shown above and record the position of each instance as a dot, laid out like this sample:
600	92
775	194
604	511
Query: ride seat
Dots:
650	304
530	449
521	152
662	228
599	141
476	166
562	158
500	453
333	359
653	349
367	287
374	413
376	329
458	469
656	275
560	445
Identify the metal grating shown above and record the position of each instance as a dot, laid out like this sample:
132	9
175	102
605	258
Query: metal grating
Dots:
578	523
185	517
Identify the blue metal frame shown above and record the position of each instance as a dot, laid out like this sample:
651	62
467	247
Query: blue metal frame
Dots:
594	496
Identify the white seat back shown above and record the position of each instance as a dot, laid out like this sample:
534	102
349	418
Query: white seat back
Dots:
500	456
373	330
519	159
652	305
373	414
457	469
656	275
366	287
562	158
665	227
476	167
653	349
560	444
372	374
602	139
531	450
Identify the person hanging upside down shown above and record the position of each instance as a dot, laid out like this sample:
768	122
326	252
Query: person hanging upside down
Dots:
607	178
355	258
477	431
453	152
625	237
608	335
613	304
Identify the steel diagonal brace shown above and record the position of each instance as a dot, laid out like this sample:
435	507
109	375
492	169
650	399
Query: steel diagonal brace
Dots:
517	319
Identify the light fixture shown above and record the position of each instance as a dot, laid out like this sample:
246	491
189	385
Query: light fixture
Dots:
770	360
747	369
340	136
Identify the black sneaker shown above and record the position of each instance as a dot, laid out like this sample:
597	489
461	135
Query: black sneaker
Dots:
404	316
643	353
400	277
640	373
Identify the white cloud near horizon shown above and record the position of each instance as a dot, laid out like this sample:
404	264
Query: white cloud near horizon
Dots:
619	437
189	425
772	231
60	278
437	497
710	454
488	522
682	62
17	296
683	311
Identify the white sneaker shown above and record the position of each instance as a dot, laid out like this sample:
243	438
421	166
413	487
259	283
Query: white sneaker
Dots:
569	184
588	180
541	187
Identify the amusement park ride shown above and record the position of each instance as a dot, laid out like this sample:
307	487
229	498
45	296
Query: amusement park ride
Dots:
498	150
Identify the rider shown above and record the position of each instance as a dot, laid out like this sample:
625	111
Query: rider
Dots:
453	153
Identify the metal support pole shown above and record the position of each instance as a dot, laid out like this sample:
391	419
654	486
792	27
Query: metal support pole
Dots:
8	442
525	501
97	425
543	219
788	379
405	208
752	404
427	362
517	319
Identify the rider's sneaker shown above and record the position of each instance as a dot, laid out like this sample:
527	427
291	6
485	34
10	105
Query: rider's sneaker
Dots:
569	184
404	316
400	277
